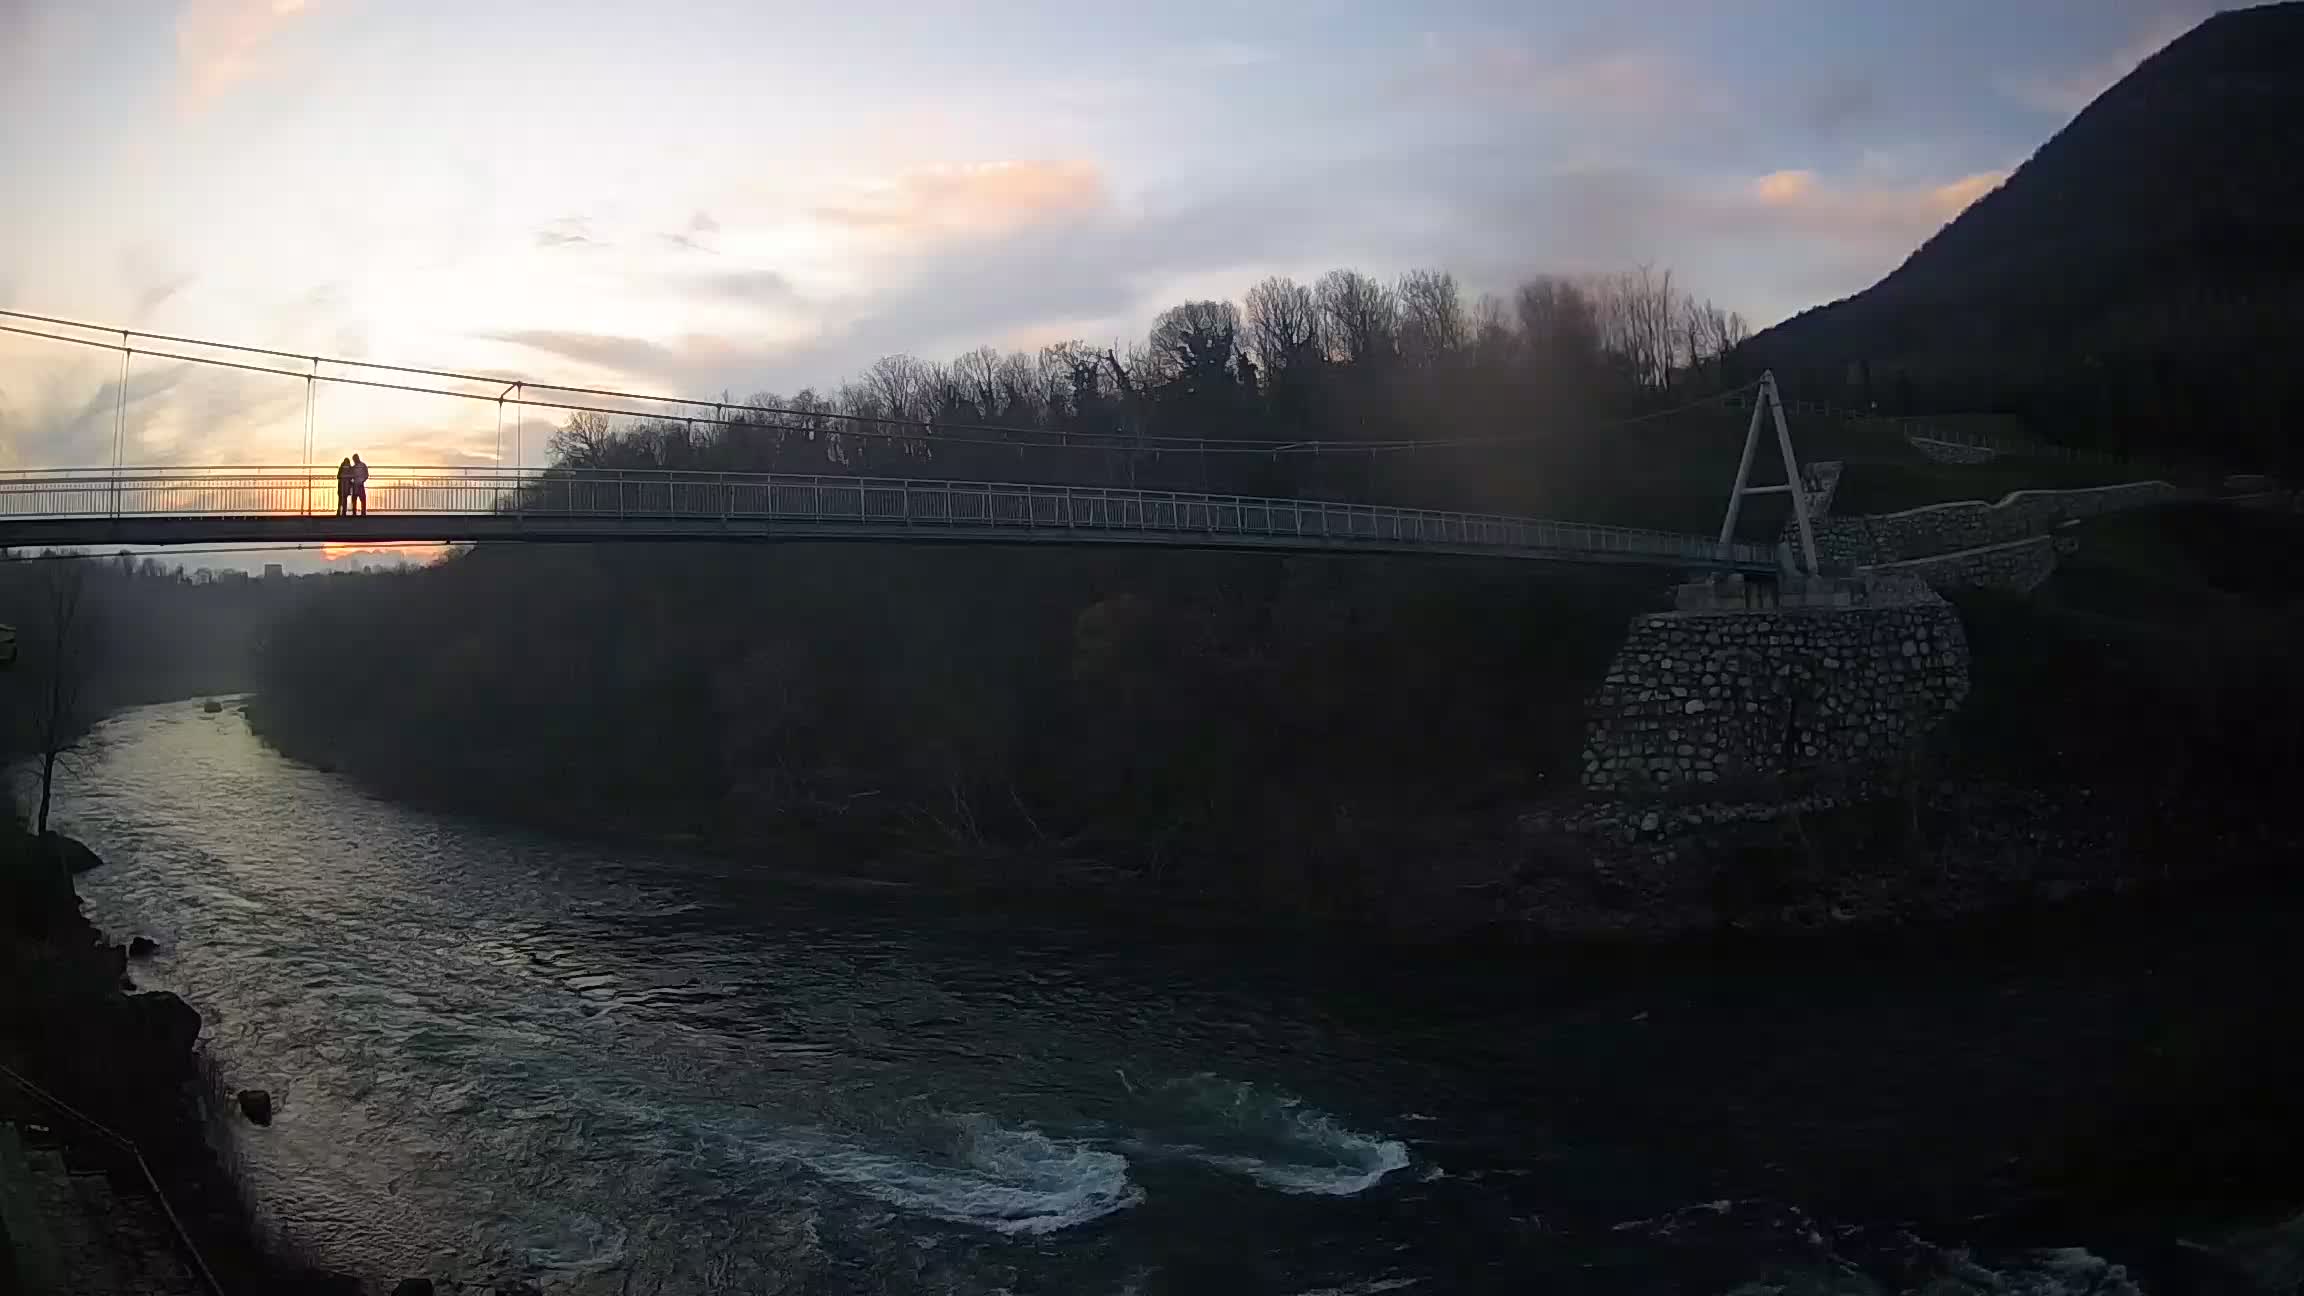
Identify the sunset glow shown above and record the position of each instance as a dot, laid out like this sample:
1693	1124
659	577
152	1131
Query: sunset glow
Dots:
622	204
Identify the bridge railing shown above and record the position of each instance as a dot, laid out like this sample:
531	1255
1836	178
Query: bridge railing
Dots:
868	503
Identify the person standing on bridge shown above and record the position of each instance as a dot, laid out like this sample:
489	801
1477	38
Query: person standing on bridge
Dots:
359	486
343	487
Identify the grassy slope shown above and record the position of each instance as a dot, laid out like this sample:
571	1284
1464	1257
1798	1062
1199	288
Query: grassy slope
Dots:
2166	638
1876	486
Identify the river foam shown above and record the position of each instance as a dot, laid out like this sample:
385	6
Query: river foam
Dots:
1007	1179
1269	1136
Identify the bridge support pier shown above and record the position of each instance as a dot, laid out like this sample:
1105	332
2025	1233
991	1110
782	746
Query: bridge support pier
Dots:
1767	402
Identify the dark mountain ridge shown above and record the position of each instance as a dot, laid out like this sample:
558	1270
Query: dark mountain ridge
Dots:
2138	285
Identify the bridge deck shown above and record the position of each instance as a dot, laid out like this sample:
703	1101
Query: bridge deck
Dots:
293	506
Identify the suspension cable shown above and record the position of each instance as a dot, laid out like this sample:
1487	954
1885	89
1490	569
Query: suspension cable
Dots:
1008	436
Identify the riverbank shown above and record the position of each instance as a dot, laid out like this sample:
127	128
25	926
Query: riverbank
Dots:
1366	748
591	1068
127	1060
1864	858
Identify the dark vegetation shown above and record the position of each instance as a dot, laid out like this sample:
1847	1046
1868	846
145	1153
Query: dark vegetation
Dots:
1228	723
94	635
1873	484
97	634
2134	287
1235	723
2156	671
1309	391
69	1023
1313	734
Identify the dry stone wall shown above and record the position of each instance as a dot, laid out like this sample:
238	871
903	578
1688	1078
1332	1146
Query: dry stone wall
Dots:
2020	566
1951	452
1703	698
1973	524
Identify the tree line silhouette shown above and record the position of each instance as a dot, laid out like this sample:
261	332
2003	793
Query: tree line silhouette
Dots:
1299	391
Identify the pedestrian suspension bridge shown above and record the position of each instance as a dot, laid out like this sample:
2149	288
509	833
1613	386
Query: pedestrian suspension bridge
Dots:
162	505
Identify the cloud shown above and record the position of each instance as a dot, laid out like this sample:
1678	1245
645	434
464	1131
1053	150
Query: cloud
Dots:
1802	201
601	350
1224	56
2067	90
970	201
1475	205
72	418
757	287
444	446
1840	102
567	232
1622	81
701	227
19	29
218	42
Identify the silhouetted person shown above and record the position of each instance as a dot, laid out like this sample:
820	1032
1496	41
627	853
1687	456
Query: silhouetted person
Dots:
359	486
343	487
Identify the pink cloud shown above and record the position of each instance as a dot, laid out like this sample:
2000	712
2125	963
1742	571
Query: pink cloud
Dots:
989	198
1805	201
218	42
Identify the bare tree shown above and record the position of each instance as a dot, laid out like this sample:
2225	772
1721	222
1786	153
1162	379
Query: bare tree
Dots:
585	440
1491	333
1637	315
1360	316
1283	320
904	386
66	659
1433	325
1194	342
976	377
1560	326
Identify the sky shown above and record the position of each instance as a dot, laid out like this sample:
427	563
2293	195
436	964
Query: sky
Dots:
698	196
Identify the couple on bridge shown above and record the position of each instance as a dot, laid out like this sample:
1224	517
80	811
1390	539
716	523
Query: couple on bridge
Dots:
351	487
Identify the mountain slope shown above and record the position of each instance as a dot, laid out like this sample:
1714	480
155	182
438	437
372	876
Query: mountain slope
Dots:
2138	284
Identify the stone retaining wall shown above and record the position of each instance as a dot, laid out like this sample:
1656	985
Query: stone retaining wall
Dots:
2271	501
1822	482
1951	452
2020	566
1702	698
1972	524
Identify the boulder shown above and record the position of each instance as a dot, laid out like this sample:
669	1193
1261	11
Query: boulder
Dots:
164	1021
212	706
142	947
256	1105
73	855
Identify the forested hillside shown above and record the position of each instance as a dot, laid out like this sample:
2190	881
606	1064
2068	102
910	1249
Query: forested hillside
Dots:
1571	399
2138	285
97	633
1232	718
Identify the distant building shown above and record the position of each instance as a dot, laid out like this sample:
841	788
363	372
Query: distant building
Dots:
272	571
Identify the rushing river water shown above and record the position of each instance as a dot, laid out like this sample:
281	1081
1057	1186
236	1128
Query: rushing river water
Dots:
503	1055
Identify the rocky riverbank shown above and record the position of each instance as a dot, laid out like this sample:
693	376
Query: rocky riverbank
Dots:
72	1024
74	1027
1863	855
1837	853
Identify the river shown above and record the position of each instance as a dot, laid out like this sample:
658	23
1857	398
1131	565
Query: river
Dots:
497	1054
